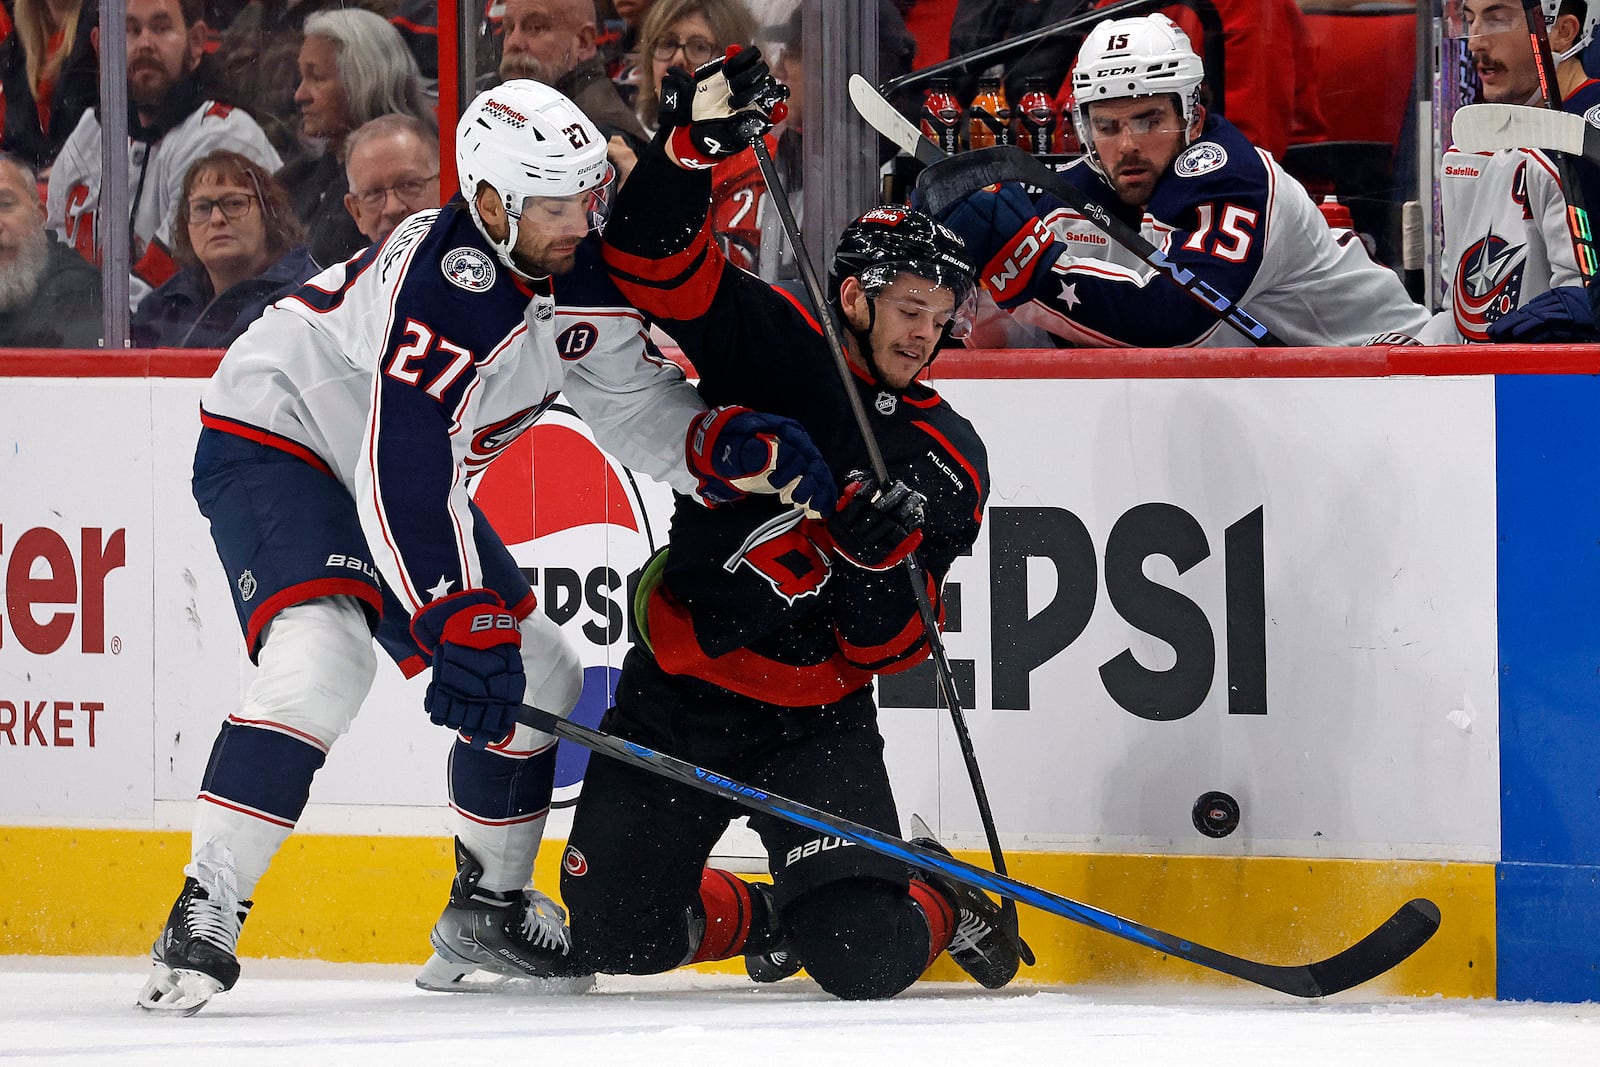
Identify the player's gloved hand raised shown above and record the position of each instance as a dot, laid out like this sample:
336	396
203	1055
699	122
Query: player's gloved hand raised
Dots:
1560	315
735	452
720	109
997	223
478	676
876	529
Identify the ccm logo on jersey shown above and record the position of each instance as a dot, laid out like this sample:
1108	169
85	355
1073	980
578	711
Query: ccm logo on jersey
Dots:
1010	271
813	847
1198	159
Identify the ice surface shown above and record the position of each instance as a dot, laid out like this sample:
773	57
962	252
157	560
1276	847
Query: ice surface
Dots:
56	1011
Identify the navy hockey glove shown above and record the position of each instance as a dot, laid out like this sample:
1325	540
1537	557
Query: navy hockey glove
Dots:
876	530
1559	315
1004	234
735	451
478	677
720	109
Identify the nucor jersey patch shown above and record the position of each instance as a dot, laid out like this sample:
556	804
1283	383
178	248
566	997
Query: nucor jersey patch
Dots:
1198	159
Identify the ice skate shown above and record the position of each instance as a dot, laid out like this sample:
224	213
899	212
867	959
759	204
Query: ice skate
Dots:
500	942
985	944
771	958
194	958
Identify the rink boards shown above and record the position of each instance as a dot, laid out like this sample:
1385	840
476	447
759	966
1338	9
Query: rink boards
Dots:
1354	593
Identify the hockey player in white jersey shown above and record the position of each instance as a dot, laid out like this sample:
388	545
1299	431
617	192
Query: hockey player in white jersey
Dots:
1211	201
1510	267
338	434
170	125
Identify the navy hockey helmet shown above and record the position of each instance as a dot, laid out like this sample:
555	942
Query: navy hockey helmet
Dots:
891	240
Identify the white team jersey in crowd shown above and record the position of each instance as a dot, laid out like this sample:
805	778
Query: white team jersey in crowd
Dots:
155	182
1228	213
409	367
1506	238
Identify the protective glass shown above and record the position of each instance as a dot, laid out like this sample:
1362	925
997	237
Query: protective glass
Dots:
592	207
234	206
410	191
1108	128
930	294
696	50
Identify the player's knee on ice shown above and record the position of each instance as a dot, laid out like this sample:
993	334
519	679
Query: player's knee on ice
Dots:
860	939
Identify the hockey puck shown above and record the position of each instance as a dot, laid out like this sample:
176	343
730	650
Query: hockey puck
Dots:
1216	814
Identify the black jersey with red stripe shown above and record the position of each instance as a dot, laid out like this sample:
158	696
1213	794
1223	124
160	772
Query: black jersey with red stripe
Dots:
752	598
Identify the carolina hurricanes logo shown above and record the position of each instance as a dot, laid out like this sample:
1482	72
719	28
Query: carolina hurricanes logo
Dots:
1488	284
574	863
491	440
780	552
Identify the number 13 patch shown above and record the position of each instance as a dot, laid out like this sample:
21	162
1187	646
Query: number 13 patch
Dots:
577	340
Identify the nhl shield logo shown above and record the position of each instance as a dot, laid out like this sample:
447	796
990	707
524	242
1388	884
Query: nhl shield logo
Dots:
469	269
247	586
886	403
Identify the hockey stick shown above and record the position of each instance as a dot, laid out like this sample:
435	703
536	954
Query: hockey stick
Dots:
950	178
1397	939
1583	238
1494	127
913	566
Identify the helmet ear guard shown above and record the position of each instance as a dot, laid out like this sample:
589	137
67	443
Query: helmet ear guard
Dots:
1125	58
525	139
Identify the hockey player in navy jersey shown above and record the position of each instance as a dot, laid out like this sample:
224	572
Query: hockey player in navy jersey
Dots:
338	436
1211	201
1510	267
765	625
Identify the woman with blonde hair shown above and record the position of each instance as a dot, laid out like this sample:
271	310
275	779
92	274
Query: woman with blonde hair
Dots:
354	66
48	76
685	33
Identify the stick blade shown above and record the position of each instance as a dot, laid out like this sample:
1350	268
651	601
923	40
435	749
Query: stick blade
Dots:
954	178
1494	127
881	116
1386	947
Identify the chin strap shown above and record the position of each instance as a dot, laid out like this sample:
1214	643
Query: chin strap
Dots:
502	249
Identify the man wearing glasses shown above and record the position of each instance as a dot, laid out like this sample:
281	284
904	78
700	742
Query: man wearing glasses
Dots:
392	167
553	41
1199	191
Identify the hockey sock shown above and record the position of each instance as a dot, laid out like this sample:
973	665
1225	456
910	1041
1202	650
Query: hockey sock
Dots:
255	787
939	912
500	803
732	911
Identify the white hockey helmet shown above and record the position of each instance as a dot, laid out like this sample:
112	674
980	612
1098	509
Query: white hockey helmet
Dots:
1586	21
525	139
1144	56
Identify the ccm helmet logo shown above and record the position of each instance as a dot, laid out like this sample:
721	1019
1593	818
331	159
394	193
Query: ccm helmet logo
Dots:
492	620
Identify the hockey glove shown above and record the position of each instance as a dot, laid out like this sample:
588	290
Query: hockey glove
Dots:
1005	234
1559	315
734	452
478	677
876	530
720	109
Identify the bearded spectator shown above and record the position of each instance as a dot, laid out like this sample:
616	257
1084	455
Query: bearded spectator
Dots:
49	296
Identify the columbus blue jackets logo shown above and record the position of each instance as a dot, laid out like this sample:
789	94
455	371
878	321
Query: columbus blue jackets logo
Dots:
1488	284
1198	159
469	269
1592	116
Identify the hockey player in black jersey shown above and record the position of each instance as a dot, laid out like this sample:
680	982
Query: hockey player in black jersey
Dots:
765	625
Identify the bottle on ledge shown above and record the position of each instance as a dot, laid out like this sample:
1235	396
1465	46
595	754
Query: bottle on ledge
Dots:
989	118
941	116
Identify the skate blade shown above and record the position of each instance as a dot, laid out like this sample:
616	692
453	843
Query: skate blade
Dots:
440	975
177	992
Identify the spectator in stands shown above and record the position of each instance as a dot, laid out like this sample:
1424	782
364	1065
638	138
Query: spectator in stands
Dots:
1217	206
170	125
258	62
48	78
1509	265
623	64
49	297
240	246
353	68
685	33
553	41
392	167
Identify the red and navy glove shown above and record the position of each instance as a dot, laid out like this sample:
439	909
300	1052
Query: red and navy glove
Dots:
876	530
720	109
478	676
1557	316
1005	234
735	452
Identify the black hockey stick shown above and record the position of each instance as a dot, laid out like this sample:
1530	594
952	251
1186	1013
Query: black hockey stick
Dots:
951	178
913	567
1494	127
1402	934
1578	222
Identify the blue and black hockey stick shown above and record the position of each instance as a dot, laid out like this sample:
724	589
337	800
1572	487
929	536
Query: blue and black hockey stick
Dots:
1402	934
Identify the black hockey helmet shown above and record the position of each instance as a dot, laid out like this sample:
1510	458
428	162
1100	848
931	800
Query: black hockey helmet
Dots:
891	240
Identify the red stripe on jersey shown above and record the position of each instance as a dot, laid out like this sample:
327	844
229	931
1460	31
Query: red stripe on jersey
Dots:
299	594
966	464
254	813
516	820
747	673
901	652
805	312
278	727
679	285
264	437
